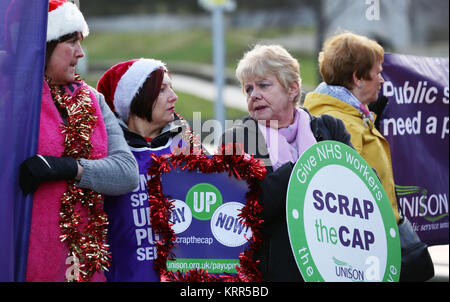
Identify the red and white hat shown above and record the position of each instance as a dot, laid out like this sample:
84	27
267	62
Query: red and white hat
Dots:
121	83
64	18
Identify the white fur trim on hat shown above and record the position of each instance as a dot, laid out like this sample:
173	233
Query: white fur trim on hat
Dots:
65	19
131	82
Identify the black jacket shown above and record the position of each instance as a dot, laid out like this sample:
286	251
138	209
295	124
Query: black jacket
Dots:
277	262
137	141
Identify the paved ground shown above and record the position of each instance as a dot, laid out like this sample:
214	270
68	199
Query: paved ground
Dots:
232	95
440	256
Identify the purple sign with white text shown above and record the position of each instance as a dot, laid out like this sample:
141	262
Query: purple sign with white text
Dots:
416	125
210	234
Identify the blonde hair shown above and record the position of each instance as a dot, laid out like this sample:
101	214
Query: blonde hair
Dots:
270	59
345	53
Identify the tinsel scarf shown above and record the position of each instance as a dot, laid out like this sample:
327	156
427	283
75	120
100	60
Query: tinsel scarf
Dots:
82	222
88	246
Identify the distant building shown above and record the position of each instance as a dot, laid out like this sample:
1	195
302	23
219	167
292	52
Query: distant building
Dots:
418	27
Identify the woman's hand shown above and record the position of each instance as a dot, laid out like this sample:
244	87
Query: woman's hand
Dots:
40	168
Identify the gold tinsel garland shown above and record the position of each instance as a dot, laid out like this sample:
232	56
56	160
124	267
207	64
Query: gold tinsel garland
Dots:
86	241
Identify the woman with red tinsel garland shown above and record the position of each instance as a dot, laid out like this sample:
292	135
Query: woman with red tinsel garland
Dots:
82	155
140	92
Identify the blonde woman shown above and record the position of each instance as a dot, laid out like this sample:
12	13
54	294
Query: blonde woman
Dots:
277	130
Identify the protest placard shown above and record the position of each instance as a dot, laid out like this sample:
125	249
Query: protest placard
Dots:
341	224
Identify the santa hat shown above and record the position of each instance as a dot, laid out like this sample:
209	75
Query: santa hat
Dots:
121	83
64	18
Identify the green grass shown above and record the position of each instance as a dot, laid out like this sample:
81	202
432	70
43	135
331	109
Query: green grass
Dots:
174	46
194	46
105	49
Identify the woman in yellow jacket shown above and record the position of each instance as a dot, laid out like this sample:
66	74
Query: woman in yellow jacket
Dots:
351	67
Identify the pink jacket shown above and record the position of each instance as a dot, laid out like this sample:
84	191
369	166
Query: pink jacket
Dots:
47	255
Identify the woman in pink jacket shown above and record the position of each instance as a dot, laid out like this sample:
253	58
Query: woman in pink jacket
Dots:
81	156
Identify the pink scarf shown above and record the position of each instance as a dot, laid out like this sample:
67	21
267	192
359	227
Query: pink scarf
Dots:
47	255
288	144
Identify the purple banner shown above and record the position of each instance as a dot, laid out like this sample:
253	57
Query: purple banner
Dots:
210	235
416	124
22	54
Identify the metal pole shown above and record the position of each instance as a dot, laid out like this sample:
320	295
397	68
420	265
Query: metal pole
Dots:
219	63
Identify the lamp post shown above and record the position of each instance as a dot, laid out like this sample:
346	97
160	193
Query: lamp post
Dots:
217	8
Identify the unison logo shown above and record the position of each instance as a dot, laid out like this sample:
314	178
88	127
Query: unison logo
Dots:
345	270
416	202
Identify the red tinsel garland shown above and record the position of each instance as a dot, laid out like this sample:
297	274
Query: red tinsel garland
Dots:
87	245
243	167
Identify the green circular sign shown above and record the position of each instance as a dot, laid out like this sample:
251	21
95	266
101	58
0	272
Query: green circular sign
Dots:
203	199
340	222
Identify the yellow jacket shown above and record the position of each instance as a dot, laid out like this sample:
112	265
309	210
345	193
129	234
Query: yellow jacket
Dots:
368	141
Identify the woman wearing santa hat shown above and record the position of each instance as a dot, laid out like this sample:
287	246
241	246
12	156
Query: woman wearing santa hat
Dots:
140	93
82	155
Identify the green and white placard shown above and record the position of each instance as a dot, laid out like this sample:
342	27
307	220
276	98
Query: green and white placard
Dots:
340	221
